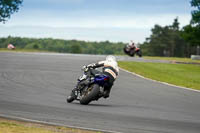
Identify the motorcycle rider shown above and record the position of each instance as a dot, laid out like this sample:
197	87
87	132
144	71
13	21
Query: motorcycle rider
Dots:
131	45
109	68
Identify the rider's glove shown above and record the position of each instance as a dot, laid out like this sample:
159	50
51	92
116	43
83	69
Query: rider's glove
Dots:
84	68
91	65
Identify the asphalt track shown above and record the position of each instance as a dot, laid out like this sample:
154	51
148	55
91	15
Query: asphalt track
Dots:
34	86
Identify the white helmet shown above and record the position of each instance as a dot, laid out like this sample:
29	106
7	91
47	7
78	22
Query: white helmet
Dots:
110	58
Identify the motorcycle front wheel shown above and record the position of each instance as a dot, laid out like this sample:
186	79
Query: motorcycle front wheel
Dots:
71	97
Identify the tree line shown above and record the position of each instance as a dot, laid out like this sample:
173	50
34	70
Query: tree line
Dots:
63	46
172	41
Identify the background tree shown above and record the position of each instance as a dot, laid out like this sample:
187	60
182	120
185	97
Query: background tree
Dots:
8	7
165	41
191	32
64	46
196	13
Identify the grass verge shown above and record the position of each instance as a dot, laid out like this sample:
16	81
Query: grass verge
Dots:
12	126
186	75
172	59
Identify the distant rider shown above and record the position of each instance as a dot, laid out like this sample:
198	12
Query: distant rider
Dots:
131	45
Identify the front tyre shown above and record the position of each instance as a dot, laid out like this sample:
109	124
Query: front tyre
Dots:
90	93
125	51
70	99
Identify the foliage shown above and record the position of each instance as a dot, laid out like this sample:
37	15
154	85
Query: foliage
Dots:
8	7
196	13
172	41
64	46
165	41
191	34
186	75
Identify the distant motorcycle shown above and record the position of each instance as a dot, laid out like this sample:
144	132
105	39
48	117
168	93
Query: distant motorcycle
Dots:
90	86
131	51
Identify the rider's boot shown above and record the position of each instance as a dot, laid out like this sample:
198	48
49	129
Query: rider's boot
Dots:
106	93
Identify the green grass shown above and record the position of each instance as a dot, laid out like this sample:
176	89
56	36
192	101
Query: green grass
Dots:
11	126
172	59
186	75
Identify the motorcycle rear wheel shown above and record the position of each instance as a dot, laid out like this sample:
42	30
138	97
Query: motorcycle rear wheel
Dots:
139	53
90	94
131	53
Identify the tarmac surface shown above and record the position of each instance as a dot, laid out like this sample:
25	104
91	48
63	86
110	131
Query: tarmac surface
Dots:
35	85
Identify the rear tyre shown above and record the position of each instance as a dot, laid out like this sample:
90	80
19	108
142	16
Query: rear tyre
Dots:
139	53
132	53
89	94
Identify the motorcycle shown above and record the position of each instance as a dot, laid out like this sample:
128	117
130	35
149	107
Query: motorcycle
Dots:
131	51
90	86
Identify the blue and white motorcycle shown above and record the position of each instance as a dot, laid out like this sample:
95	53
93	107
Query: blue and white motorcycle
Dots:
90	86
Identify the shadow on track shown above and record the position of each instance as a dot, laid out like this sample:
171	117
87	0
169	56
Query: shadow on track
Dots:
93	104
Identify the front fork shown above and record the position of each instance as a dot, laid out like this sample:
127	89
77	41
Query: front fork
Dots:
79	87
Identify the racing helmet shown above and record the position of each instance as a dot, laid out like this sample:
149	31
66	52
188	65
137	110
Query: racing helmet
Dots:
131	43
110	58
